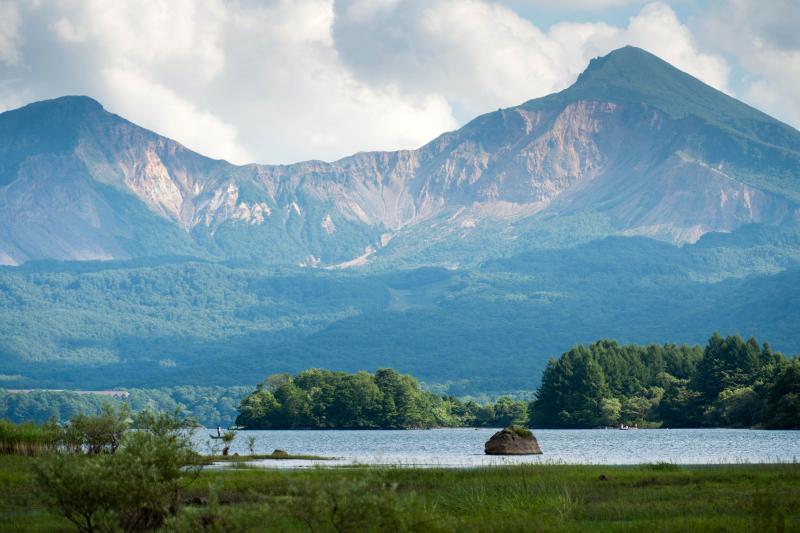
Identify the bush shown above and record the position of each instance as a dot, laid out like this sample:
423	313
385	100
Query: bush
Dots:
101	433
83	490
133	489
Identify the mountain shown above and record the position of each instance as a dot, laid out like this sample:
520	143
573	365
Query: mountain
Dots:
639	204
635	143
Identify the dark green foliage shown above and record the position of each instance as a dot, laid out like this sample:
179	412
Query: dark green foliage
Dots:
680	406
387	399
211	519
731	383
781	407
730	363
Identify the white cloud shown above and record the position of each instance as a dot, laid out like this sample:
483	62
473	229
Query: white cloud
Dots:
588	5
482	55
655	28
131	93
285	80
766	43
478	55
306	103
243	81
154	34
9	33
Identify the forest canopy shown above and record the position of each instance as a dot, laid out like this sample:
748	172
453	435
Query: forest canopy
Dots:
729	383
324	399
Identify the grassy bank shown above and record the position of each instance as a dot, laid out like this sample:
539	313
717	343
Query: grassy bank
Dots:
209	459
516	498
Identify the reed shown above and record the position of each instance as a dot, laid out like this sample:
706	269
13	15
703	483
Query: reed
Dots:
29	438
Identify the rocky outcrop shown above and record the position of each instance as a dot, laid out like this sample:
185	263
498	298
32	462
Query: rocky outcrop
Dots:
512	441
662	155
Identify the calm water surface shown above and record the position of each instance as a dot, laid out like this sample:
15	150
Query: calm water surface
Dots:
464	447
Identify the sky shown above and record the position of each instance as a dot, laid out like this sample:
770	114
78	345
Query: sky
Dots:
284	81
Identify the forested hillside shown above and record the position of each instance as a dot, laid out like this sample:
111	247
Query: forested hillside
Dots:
210	406
162	323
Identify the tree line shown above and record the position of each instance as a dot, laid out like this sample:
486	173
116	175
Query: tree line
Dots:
323	399
729	383
210	406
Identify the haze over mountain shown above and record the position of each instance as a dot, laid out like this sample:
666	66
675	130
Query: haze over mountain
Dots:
647	149
638	204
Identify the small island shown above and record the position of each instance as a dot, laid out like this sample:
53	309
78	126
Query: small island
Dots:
728	383
323	399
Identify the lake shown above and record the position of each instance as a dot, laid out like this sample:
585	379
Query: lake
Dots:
463	447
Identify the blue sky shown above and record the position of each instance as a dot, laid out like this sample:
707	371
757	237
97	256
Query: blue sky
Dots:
281	81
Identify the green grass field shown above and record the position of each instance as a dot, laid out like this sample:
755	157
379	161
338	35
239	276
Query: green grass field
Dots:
652	498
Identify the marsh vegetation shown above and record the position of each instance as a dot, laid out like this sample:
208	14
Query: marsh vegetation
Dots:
660	497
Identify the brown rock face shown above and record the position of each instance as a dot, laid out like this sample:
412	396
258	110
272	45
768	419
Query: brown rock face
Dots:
635	143
512	441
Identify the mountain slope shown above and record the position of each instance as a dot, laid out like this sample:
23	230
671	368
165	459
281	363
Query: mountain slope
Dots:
489	329
642	146
543	215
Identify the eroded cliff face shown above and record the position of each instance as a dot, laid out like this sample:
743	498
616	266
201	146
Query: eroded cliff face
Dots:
66	185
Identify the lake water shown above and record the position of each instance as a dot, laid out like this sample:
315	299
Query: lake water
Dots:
464	447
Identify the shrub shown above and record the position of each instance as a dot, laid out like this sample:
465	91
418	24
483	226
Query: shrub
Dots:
100	433
521	431
133	489
83	490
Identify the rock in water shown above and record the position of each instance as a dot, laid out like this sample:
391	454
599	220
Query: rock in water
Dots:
512	441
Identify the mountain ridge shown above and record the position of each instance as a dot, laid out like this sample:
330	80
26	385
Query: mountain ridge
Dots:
468	261
562	154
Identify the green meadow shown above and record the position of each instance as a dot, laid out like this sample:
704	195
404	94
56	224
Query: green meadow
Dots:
661	497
